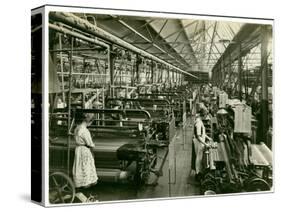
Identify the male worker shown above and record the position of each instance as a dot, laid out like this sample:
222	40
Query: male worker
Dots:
199	143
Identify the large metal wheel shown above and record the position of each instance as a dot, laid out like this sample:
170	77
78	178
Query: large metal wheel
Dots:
61	188
152	158
208	185
142	173
145	171
257	184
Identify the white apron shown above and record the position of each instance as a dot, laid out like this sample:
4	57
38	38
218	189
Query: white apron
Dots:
198	146
84	169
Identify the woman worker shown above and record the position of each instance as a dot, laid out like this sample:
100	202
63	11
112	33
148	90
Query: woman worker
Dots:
199	143
84	169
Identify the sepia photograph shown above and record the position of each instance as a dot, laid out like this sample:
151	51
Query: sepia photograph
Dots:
145	105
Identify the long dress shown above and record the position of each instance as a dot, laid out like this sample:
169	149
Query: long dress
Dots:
198	147
84	169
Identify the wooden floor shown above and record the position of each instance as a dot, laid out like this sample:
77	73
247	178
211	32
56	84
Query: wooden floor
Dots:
181	181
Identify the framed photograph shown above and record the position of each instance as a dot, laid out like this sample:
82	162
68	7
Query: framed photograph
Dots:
134	105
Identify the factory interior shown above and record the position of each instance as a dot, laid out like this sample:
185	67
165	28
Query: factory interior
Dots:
148	83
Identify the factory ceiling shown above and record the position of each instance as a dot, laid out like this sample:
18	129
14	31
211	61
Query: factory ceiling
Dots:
188	45
192	45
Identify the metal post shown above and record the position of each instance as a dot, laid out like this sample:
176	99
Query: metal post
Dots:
69	105
229	73
61	69
168	75
264	86
173	77
176	77
169	183
111	65
214	76
181	79
133	75
247	83
156	73
222	71
219	77
152	72
137	68
240	73
103	104
160	74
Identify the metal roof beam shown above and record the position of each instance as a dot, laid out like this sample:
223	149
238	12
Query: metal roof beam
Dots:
248	35
212	40
130	33
177	29
84	25
148	40
189	46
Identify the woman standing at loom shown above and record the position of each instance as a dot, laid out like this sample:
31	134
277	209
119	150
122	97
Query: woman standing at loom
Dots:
84	169
199	143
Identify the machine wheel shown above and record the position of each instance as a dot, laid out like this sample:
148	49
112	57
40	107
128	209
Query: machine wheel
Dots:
143	172
61	188
207	185
152	160
257	184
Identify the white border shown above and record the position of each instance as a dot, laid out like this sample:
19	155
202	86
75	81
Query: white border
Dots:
34	12
157	14
46	107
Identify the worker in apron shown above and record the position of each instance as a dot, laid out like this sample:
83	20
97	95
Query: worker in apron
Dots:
199	143
84	169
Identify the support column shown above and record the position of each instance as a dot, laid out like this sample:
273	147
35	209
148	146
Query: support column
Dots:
215	77
69	103
177	79
221	74
133	75
229	81
152	72
168	75
222	71
247	83
61	69
240	73
181	79
111	65
264	86
219	77
173	77
160	77
137	69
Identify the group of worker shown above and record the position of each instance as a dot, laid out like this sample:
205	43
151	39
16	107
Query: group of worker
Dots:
84	171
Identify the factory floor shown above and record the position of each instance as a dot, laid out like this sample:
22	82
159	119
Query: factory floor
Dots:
181	177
